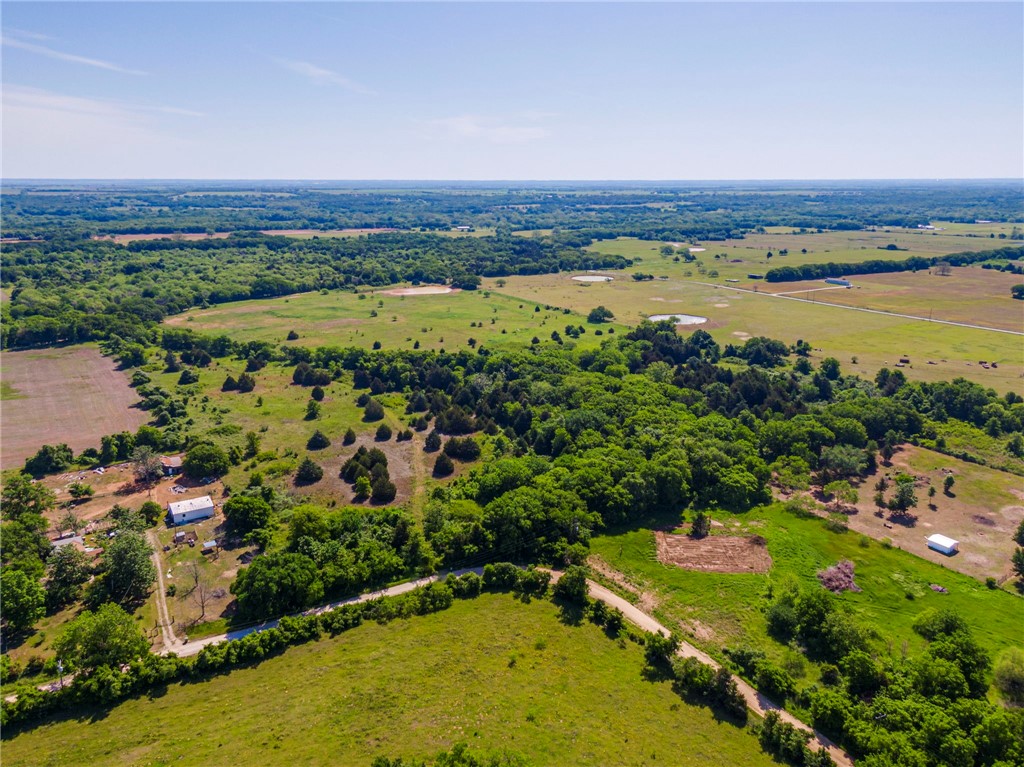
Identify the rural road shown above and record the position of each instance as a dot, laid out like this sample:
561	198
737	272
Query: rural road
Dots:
786	297
756	702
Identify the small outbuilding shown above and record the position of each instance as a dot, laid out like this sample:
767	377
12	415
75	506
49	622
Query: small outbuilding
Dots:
943	545
171	465
183	512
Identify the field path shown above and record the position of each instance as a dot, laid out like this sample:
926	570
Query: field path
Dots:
171	642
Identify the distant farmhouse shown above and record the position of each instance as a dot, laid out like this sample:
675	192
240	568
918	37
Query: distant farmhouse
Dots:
183	512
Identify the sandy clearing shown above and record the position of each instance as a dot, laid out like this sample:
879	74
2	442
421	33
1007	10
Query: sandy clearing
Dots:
714	553
679	319
423	290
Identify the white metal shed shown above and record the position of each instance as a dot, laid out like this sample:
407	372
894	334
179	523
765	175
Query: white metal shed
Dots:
182	512
943	545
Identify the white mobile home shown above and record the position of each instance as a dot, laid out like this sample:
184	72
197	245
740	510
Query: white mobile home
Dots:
183	512
943	545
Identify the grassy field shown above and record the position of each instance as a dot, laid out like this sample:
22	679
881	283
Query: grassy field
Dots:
443	321
718	610
971	295
876	340
73	395
493	672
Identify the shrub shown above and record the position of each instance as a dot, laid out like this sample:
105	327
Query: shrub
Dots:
318	441
383	433
309	472
443	466
383	490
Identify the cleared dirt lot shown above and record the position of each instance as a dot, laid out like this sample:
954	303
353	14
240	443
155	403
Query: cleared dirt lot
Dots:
982	512
714	554
73	395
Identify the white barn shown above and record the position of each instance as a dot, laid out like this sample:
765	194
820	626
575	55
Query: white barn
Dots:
943	545
183	512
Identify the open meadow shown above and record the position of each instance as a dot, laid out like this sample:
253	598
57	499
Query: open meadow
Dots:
72	394
863	342
441	320
494	672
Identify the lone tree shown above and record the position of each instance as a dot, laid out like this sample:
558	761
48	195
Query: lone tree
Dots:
701	525
905	497
599	314
443	466
206	461
146	464
350	436
947	484
842	493
1017	291
309	472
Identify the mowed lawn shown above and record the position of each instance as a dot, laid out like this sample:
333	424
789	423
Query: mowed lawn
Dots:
338	318
493	672
717	610
72	394
876	340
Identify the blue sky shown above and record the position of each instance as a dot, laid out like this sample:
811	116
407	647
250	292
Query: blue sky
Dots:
513	91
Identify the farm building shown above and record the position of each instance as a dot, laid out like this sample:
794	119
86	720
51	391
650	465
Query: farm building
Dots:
839	281
943	545
72	540
181	512
171	465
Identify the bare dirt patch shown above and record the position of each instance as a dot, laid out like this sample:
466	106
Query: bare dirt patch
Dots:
423	290
982	512
73	395
715	553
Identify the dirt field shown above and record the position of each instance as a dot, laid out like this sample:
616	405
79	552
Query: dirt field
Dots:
73	395
982	512
714	554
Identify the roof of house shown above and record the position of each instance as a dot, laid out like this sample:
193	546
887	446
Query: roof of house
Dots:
209	544
192	504
67	541
942	540
174	461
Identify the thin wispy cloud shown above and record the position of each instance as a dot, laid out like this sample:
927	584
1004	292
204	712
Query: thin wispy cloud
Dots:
28	35
25	97
322	76
42	50
494	130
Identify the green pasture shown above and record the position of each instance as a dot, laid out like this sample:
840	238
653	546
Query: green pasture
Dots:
738	258
727	609
969	294
875	340
442	321
494	672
